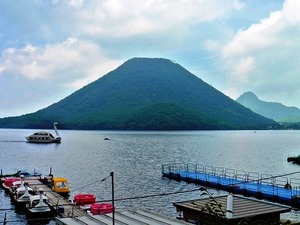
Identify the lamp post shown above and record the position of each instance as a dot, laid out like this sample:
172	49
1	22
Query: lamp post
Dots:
112	194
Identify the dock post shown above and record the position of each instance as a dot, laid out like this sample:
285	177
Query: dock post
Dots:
113	196
50	174
4	221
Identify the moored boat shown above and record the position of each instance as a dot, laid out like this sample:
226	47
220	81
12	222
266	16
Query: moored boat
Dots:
8	182
294	159
16	184
44	136
24	173
38	205
61	186
22	194
84	201
101	208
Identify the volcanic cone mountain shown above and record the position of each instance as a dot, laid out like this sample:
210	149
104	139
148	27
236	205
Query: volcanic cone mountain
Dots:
145	94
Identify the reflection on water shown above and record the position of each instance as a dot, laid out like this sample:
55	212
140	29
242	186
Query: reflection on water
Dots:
85	158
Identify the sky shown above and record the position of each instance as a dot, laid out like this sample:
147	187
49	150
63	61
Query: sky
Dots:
51	48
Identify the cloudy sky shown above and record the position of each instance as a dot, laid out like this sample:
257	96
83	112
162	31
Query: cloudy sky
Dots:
51	48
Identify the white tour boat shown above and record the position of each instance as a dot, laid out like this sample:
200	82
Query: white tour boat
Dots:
44	137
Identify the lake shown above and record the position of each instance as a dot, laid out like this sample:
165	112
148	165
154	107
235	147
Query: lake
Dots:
136	159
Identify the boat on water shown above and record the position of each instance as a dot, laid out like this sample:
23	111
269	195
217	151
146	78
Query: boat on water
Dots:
84	201
8	182
101	208
294	159
22	194
38	205
44	136
88	202
61	186
23	173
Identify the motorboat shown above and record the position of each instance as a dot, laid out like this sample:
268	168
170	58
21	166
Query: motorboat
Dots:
38	205
44	136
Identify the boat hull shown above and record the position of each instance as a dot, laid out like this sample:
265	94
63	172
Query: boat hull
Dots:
295	159
45	140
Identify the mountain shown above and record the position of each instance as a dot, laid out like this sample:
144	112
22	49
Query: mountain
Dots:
144	94
272	110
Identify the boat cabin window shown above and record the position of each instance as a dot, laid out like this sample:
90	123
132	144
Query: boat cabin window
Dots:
22	192
35	202
62	184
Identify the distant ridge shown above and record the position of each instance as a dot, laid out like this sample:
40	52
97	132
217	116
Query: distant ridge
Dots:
145	94
272	110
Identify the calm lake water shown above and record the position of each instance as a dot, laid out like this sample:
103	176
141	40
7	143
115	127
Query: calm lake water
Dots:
85	158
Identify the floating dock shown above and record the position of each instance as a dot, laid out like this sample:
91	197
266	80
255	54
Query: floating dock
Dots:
262	186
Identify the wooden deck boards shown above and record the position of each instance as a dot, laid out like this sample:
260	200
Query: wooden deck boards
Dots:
242	208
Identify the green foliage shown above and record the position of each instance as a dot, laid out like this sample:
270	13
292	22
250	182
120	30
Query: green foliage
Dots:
145	94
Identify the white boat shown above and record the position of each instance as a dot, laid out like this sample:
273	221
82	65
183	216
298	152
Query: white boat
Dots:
44	137
38	205
23	193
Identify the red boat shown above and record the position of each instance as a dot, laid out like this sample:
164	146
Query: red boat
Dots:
84	201
101	208
8	181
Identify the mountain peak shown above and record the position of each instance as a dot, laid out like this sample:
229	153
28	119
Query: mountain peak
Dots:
247	95
146	94
272	110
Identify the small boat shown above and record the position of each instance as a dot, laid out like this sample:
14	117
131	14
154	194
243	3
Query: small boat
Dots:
38	205
22	194
61	186
294	159
8	182
101	208
44	137
24	173
84	201
16	184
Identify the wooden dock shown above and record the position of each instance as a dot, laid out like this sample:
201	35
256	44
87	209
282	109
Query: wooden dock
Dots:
68	213
246	183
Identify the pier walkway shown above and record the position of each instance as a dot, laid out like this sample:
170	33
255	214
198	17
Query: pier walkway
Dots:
60	205
236	181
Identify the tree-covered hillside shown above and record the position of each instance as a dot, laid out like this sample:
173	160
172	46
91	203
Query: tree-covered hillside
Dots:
272	110
145	94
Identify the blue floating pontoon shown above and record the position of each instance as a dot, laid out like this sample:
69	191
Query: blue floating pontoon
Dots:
274	188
